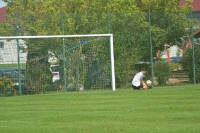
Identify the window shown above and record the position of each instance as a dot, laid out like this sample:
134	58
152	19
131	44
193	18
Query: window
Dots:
1	44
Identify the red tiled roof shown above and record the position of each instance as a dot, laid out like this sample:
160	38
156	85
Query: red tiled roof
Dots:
3	14
195	4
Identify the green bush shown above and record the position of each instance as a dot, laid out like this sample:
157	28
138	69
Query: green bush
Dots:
187	63
173	66
162	72
7	87
38	77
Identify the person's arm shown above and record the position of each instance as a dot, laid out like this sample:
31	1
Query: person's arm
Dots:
145	86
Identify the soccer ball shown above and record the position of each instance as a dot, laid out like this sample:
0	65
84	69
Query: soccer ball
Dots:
148	82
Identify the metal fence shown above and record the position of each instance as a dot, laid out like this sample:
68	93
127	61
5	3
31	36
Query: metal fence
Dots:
138	37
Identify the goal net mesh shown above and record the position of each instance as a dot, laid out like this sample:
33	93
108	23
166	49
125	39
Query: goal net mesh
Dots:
59	64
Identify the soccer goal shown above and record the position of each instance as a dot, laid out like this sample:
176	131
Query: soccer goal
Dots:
75	62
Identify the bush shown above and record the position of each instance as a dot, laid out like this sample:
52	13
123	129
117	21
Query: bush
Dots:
173	66
38	76
188	64
162	72
7	87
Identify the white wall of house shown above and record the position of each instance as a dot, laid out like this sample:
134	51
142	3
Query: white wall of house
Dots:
173	51
8	52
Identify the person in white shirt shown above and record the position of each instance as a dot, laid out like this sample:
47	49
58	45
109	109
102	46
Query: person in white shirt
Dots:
137	82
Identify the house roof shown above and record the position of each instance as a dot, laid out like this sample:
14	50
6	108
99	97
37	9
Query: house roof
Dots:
195	4
3	14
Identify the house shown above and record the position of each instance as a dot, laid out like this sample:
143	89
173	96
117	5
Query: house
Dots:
9	53
8	49
196	8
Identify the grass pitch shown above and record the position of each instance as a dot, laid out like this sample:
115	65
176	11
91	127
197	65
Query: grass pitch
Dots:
158	110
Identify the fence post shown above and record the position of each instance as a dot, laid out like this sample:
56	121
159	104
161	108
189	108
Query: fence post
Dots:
108	21
150	36
63	44
193	57
18	55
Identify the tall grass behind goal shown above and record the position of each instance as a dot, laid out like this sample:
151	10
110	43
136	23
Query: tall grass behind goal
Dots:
67	62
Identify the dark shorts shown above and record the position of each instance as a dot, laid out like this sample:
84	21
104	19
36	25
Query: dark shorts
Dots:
137	87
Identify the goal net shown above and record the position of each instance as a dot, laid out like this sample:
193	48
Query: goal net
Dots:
60	62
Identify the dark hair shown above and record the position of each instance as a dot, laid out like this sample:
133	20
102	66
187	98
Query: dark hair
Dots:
143	69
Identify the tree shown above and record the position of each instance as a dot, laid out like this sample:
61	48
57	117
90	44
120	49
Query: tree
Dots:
128	22
162	73
6	29
187	63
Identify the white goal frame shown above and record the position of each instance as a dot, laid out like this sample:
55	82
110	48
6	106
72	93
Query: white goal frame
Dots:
73	36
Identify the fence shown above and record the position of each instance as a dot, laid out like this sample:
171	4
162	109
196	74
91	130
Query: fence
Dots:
138	37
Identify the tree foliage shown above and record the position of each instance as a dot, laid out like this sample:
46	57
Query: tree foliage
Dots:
6	29
187	63
126	19
162	73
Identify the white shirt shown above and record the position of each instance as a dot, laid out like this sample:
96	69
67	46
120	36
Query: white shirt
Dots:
137	79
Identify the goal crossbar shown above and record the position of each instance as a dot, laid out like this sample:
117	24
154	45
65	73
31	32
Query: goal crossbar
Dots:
55	36
73	36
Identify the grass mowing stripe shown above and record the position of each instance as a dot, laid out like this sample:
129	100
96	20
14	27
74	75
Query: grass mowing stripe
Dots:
161	109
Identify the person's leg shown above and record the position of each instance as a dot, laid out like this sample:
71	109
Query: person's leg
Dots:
134	87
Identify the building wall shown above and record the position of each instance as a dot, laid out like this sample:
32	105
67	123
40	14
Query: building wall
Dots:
173	51
196	8
196	14
9	54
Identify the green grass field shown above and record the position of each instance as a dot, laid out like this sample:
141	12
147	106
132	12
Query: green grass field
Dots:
15	65
159	110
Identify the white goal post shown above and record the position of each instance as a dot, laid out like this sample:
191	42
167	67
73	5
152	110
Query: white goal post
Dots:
73	36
